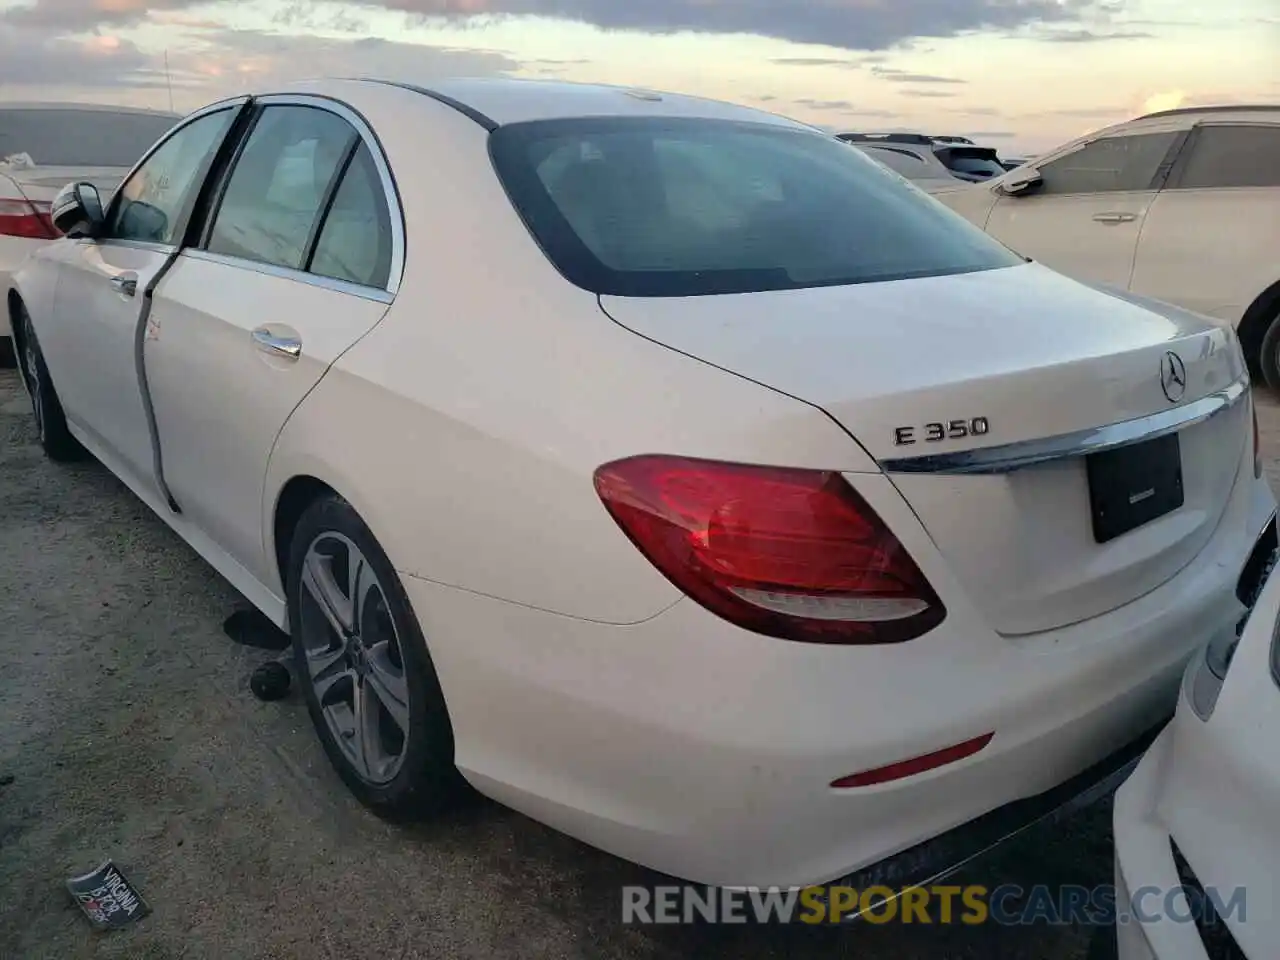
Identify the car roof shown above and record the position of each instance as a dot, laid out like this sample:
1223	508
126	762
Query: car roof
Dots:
1184	118
1247	109
37	106
497	101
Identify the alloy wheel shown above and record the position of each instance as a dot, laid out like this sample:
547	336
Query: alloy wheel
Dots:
353	657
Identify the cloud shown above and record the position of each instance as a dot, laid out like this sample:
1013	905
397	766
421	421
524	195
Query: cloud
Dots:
873	113
902	76
37	60
223	62
1086	112
824	104
928	94
1082	35
814	62
848	24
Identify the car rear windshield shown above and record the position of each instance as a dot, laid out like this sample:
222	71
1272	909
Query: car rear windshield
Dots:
80	138
652	207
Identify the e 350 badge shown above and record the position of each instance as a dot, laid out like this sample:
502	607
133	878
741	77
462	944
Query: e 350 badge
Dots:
935	432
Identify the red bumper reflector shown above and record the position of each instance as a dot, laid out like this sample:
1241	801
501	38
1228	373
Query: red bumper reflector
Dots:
909	768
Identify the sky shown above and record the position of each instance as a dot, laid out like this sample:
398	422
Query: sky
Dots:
1021	75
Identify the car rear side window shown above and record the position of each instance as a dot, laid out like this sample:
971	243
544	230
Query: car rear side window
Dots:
80	138
278	187
1233	156
648	206
1109	165
355	241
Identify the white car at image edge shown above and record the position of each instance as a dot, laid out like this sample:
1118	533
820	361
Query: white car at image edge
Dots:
45	145
597	451
1200	810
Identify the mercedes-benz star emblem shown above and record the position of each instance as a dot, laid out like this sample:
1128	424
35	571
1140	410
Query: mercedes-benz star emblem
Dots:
1173	376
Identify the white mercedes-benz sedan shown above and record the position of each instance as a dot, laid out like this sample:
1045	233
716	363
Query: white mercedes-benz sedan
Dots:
1199	813
663	468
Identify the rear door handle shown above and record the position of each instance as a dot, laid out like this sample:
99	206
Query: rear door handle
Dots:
125	284
280	344
1115	217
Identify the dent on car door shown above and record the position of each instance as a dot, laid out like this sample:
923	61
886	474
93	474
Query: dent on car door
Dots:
1085	218
103	290
299	259
1211	236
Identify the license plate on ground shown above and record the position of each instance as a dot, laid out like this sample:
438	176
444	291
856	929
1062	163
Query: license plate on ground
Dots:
1133	485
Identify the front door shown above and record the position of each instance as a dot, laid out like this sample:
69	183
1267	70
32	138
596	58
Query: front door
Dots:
103	289
244	327
1084	220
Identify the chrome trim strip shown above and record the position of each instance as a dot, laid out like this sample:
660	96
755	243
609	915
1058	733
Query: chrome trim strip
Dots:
1008	457
395	213
286	273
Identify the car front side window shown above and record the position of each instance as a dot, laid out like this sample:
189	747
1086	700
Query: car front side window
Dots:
151	205
279	185
1110	165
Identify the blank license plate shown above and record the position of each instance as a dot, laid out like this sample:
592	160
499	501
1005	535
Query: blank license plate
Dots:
1134	485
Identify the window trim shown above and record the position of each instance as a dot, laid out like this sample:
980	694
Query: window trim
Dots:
1179	167
1159	177
390	193
339	177
360	290
183	220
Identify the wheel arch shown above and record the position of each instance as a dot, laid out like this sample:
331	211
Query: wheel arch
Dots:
1253	325
298	493
13	303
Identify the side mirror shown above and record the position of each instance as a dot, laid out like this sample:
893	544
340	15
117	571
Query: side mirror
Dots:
1026	180
77	210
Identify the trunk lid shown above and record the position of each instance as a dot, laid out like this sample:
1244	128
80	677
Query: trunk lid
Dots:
1030	354
42	184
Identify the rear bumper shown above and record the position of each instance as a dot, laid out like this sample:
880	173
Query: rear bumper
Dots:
946	854
705	752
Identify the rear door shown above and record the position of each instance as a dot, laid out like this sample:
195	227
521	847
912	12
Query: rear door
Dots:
300	258
103	290
1211	238
1085	219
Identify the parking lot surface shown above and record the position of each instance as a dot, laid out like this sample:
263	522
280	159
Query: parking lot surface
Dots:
129	732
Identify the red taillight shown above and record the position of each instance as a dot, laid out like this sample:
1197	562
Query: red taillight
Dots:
21	218
1257	441
790	553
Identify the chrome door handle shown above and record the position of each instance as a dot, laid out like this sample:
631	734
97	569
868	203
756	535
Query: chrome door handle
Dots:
282	345
1115	217
125	284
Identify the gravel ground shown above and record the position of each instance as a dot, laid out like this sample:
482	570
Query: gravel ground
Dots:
128	731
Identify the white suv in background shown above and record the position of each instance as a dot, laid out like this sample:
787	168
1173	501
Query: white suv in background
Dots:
1182	206
917	164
